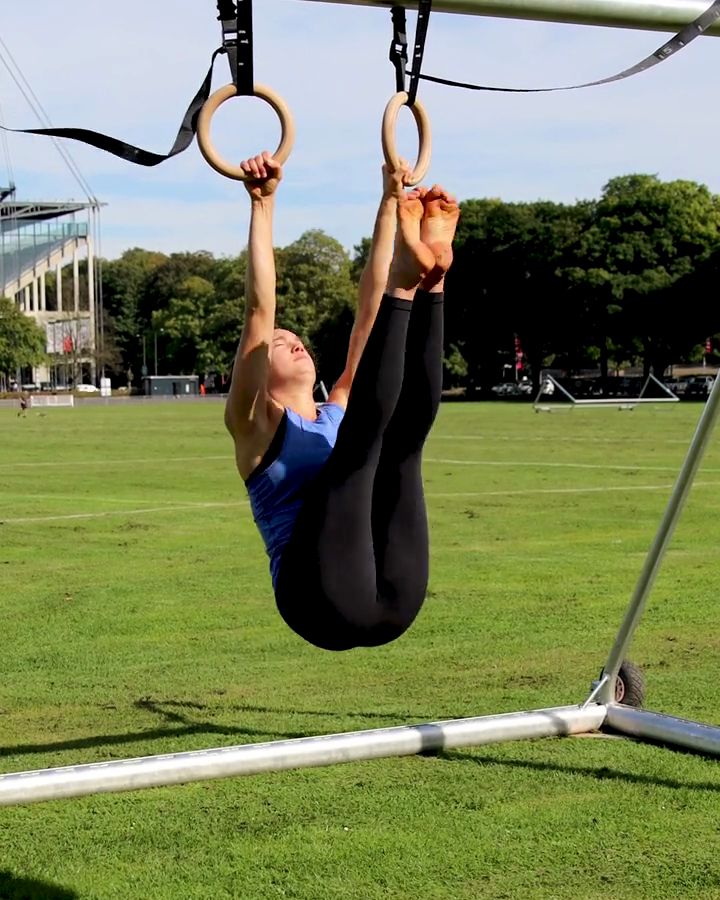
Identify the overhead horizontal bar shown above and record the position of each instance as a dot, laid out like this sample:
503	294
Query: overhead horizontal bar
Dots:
252	759
659	15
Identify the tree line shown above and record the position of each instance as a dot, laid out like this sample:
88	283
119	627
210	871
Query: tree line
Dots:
625	280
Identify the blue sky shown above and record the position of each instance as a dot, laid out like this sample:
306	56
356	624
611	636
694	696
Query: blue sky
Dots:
131	70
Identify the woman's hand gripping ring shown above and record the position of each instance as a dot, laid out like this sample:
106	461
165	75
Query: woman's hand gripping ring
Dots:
389	125
215	100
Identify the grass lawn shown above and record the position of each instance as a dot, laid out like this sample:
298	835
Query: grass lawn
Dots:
138	619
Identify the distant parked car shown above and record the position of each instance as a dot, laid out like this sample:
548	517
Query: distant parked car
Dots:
30	386
87	389
699	386
506	388
509	389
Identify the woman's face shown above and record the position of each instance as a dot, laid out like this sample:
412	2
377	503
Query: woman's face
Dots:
289	360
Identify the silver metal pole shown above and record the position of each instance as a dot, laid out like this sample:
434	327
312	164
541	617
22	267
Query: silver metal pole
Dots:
649	15
251	759
659	545
652	726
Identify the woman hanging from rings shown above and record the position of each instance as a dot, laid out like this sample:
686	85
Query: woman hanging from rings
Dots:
336	492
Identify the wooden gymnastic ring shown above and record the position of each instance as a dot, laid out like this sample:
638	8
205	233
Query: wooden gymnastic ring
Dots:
287	138
389	124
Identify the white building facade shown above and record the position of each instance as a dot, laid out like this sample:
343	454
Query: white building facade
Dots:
48	267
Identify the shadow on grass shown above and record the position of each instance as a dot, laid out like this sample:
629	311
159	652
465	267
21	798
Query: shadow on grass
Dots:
601	773
113	740
181	725
12	888
393	717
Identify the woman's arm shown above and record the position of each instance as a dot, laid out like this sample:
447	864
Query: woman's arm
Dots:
246	407
373	280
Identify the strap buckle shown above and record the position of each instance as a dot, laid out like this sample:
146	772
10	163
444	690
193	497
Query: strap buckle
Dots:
399	46
237	41
227	14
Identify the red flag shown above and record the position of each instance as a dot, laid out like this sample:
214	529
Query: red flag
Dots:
67	345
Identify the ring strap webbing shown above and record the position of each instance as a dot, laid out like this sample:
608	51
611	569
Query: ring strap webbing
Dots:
678	42
236	23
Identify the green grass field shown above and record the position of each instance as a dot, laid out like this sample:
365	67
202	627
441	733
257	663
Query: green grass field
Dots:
138	619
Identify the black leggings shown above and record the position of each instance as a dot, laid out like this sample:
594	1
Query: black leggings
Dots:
355	571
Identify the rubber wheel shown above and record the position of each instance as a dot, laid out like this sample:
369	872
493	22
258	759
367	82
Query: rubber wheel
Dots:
630	685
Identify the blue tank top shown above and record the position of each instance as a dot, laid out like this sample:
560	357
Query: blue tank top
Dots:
276	492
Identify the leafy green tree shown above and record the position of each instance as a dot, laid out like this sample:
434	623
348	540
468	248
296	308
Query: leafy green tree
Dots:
643	237
361	252
691	306
544	314
180	304
162	283
22	342
125	283
471	326
228	277
508	280
186	348
316	297
199	331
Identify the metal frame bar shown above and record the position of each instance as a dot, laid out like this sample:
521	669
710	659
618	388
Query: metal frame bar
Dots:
324	750
627	403
660	543
657	727
658	15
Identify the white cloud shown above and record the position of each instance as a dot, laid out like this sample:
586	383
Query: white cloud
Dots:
132	70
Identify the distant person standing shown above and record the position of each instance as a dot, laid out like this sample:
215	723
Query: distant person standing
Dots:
23	408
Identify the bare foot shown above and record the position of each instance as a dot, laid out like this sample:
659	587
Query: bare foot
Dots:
441	214
412	259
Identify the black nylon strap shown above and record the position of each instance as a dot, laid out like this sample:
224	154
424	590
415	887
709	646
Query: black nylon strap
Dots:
237	30
682	39
127	151
227	14
245	79
236	20
398	47
424	7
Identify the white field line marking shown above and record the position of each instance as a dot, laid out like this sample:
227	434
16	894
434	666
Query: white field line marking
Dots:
156	460
121	512
555	465
453	462
242	503
515	438
75	497
589	490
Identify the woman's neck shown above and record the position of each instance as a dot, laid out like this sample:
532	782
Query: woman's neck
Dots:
299	401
